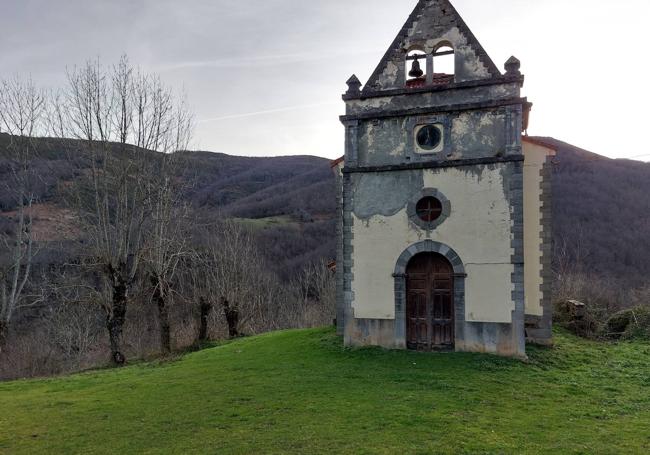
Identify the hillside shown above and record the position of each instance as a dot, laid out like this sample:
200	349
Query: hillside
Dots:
601	206
247	187
602	212
298	191
302	392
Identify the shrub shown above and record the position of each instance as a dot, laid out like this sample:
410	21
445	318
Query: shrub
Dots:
635	323
619	322
577	317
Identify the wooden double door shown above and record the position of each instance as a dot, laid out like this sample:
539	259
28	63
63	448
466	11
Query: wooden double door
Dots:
430	303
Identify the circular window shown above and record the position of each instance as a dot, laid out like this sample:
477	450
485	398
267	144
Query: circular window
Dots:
429	137
429	209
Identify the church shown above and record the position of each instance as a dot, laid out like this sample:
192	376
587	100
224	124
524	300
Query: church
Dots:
444	233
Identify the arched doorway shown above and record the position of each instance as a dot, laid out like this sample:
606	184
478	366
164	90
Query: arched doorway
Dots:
429	303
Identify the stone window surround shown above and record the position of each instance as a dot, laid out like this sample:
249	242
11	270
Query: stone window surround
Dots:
411	209
439	147
413	152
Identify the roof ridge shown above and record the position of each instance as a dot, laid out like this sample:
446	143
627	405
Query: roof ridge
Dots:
481	52
402	34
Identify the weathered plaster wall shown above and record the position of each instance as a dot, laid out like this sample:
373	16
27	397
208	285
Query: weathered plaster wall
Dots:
535	157
478	229
538	241
479	134
474	134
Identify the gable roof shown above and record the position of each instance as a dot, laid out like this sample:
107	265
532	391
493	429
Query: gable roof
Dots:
540	142
337	161
431	20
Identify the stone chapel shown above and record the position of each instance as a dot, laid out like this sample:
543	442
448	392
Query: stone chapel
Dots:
444	231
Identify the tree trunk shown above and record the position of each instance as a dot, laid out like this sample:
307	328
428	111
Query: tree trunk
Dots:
205	307
115	323
4	331
232	318
163	319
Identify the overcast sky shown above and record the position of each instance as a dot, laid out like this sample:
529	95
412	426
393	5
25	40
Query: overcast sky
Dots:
265	77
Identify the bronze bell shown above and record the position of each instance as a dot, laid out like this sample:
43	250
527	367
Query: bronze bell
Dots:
416	71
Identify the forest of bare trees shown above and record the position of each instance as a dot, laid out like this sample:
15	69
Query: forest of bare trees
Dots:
22	114
148	274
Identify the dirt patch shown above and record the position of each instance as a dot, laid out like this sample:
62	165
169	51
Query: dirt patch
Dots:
51	223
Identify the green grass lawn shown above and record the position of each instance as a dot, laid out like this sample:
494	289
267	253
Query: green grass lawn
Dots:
301	392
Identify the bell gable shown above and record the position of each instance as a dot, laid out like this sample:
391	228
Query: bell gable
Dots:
433	25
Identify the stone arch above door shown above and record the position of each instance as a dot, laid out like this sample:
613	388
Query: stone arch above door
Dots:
429	246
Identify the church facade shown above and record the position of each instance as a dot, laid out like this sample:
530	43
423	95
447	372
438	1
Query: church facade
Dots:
444	230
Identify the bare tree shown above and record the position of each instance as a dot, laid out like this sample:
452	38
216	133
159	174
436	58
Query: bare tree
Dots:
229	273
121	117
233	267
199	288
74	330
22	108
167	238
315	294
165	248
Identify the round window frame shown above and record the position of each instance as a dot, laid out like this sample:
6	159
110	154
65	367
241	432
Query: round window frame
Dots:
437	211
425	193
441	144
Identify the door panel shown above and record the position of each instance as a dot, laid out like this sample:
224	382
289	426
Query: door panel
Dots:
429	303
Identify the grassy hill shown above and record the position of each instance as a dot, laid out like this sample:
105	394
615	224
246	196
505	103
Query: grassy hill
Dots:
301	392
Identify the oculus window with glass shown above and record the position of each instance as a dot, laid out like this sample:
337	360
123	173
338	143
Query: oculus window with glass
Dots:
429	138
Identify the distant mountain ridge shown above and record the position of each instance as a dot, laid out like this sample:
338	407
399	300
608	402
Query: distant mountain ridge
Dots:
261	187
601	205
